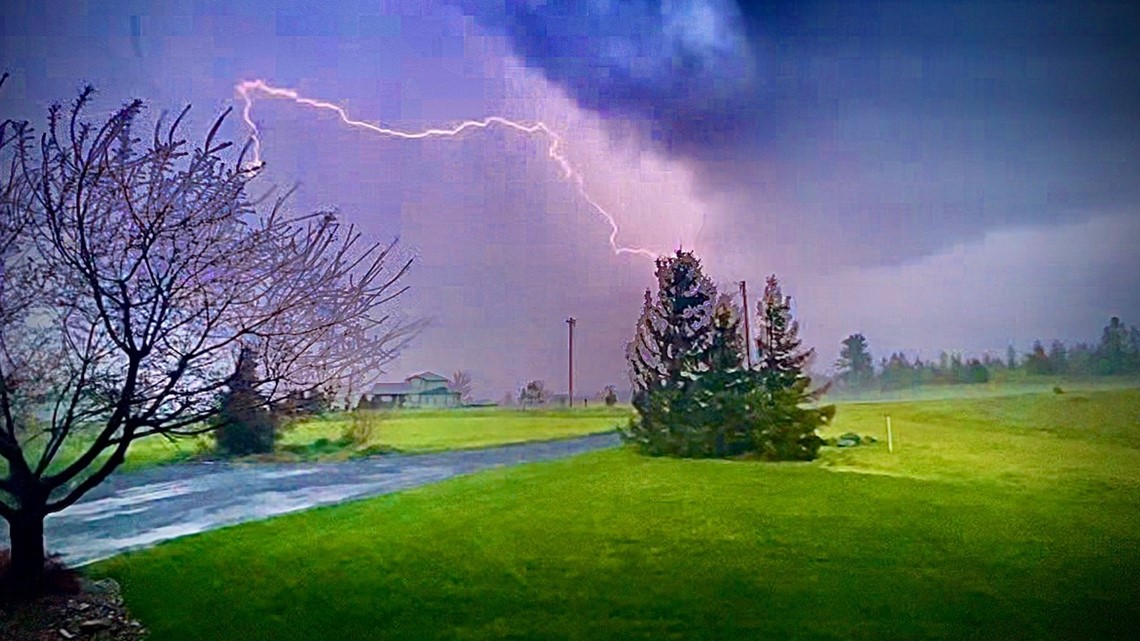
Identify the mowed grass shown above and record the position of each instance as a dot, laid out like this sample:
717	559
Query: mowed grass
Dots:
411	431
1010	518
434	430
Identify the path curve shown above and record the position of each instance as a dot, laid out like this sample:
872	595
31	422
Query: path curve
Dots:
139	509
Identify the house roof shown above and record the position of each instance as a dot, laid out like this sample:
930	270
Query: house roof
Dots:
427	376
392	388
404	389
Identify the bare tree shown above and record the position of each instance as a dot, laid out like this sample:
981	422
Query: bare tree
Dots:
462	382
132	276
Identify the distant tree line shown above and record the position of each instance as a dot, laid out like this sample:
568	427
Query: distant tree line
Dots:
693	392
1117	354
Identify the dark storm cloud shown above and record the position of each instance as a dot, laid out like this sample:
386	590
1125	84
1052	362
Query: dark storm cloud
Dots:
682	68
702	73
908	125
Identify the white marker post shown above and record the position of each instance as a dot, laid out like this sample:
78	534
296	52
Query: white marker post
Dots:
890	438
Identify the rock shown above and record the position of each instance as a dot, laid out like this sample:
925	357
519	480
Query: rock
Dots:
850	439
870	439
94	625
104	587
95	614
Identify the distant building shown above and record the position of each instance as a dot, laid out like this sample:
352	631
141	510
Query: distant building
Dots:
426	389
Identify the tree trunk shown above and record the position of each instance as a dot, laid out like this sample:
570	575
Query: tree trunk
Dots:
26	572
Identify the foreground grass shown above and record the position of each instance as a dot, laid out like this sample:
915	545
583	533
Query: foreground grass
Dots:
1013	518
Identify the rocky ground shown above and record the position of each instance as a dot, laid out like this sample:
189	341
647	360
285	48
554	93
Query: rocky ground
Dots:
95	613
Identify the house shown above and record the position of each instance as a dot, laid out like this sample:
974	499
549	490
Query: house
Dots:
426	389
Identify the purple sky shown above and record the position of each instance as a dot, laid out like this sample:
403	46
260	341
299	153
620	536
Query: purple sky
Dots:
935	175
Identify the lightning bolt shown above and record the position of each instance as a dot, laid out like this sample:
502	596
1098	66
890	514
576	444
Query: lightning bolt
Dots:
247	88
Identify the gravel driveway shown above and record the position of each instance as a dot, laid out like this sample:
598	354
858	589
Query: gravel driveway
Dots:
140	509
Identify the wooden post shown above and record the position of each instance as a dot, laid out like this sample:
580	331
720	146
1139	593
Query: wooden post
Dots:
571	322
890	437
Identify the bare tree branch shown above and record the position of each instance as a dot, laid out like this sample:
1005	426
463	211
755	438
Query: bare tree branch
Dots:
133	274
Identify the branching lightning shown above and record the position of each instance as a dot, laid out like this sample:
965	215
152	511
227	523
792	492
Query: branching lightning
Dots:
247	88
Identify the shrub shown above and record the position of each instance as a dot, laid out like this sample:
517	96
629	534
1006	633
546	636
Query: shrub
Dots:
611	396
244	428
362	427
244	425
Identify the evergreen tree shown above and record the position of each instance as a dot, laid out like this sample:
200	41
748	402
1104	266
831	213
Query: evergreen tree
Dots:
671	348
781	359
1010	358
1119	349
788	425
855	364
644	352
1058	357
787	430
245	425
718	418
726	351
693	396
674	333
975	372
1037	362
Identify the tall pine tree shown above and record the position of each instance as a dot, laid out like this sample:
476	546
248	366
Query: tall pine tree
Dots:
786	428
669	352
781	360
674	334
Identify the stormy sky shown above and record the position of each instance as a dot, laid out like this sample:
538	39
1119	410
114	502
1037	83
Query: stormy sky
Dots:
935	175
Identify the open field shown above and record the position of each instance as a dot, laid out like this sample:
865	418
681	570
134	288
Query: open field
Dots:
1003	384
1004	518
412	431
434	430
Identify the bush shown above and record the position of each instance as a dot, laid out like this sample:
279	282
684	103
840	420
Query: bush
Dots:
362	427
611	396
244	427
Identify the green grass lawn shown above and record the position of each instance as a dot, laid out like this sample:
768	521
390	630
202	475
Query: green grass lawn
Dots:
427	430
413	431
1006	518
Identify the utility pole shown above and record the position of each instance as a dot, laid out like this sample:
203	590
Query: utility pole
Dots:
747	333
571	322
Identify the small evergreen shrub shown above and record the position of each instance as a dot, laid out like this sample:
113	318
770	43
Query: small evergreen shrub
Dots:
245	425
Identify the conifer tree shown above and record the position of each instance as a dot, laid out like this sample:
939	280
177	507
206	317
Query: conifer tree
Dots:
644	352
674	333
855	364
245	425
669	352
726	350
781	359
